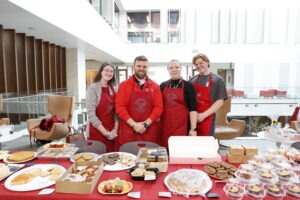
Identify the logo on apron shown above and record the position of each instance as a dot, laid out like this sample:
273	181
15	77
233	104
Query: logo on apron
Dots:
171	97
140	105
199	98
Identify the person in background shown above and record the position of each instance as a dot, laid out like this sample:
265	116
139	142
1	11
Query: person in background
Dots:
179	116
211	93
139	106
100	103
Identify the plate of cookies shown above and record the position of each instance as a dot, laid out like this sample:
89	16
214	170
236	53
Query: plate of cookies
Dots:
220	170
116	161
86	156
20	157
35	177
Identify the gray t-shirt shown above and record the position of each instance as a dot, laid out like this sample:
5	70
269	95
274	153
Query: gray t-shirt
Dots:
217	90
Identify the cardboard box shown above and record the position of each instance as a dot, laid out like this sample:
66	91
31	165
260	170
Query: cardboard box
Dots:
234	158
236	150
250	150
79	187
193	150
142	160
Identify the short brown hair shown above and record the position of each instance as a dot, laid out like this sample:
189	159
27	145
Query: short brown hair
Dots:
140	58
202	56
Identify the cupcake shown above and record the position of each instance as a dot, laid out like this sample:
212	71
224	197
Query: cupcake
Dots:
255	189
266	174
294	189
274	189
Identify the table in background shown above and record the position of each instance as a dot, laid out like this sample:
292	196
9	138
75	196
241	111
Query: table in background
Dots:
278	141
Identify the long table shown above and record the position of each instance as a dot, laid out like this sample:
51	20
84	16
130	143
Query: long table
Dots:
148	189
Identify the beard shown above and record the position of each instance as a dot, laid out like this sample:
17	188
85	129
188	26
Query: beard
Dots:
140	75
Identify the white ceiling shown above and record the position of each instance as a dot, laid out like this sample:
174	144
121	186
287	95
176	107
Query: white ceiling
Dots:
22	21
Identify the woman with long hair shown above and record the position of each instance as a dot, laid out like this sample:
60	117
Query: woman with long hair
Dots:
100	103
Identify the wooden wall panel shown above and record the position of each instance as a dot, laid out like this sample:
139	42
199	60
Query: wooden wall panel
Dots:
46	65
10	61
52	66
39	65
64	68
21	62
58	66
30	65
2	77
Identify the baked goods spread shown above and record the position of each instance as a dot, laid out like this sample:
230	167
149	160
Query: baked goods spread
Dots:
83	174
220	170
20	156
234	189
126	160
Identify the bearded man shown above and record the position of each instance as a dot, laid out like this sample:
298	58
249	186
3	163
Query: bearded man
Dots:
139	106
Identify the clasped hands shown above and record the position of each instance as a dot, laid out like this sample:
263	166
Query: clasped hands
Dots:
139	127
110	135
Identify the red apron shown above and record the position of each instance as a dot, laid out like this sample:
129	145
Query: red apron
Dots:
139	107
106	113
174	119
203	103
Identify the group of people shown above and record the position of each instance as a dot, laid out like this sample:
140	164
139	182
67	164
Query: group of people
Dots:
142	110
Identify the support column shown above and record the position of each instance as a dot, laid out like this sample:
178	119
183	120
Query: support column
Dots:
76	85
164	26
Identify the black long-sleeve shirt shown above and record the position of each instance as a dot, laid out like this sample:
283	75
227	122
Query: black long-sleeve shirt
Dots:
189	92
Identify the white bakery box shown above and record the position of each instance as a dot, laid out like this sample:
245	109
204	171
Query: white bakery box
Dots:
193	150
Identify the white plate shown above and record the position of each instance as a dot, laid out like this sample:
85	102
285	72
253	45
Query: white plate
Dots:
206	188
5	159
36	183
119	166
96	156
12	169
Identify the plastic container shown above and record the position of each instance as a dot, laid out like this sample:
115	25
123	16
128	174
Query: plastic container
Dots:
255	190
234	191
275	190
293	189
145	175
267	176
246	177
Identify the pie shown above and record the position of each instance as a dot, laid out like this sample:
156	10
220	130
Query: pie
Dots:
21	179
21	156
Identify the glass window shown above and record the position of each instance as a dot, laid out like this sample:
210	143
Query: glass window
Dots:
143	27
174	26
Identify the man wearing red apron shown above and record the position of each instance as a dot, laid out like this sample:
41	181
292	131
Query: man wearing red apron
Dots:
139	106
179	117
211	93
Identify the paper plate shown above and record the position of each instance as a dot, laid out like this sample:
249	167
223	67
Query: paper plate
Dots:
36	183
127	161
127	187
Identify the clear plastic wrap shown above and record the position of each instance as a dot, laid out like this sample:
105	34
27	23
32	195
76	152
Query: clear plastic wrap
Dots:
188	182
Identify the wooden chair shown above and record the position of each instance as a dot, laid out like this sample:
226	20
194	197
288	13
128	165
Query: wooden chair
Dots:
134	147
3	121
227	130
295	125
61	106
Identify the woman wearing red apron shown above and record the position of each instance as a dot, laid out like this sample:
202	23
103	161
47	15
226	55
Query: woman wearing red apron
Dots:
211	93
139	106
179	117
100	101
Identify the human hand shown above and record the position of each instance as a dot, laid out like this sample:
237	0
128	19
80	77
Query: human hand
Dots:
139	128
110	135
192	132
200	117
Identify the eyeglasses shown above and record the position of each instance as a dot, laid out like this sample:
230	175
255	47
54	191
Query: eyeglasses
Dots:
108	71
